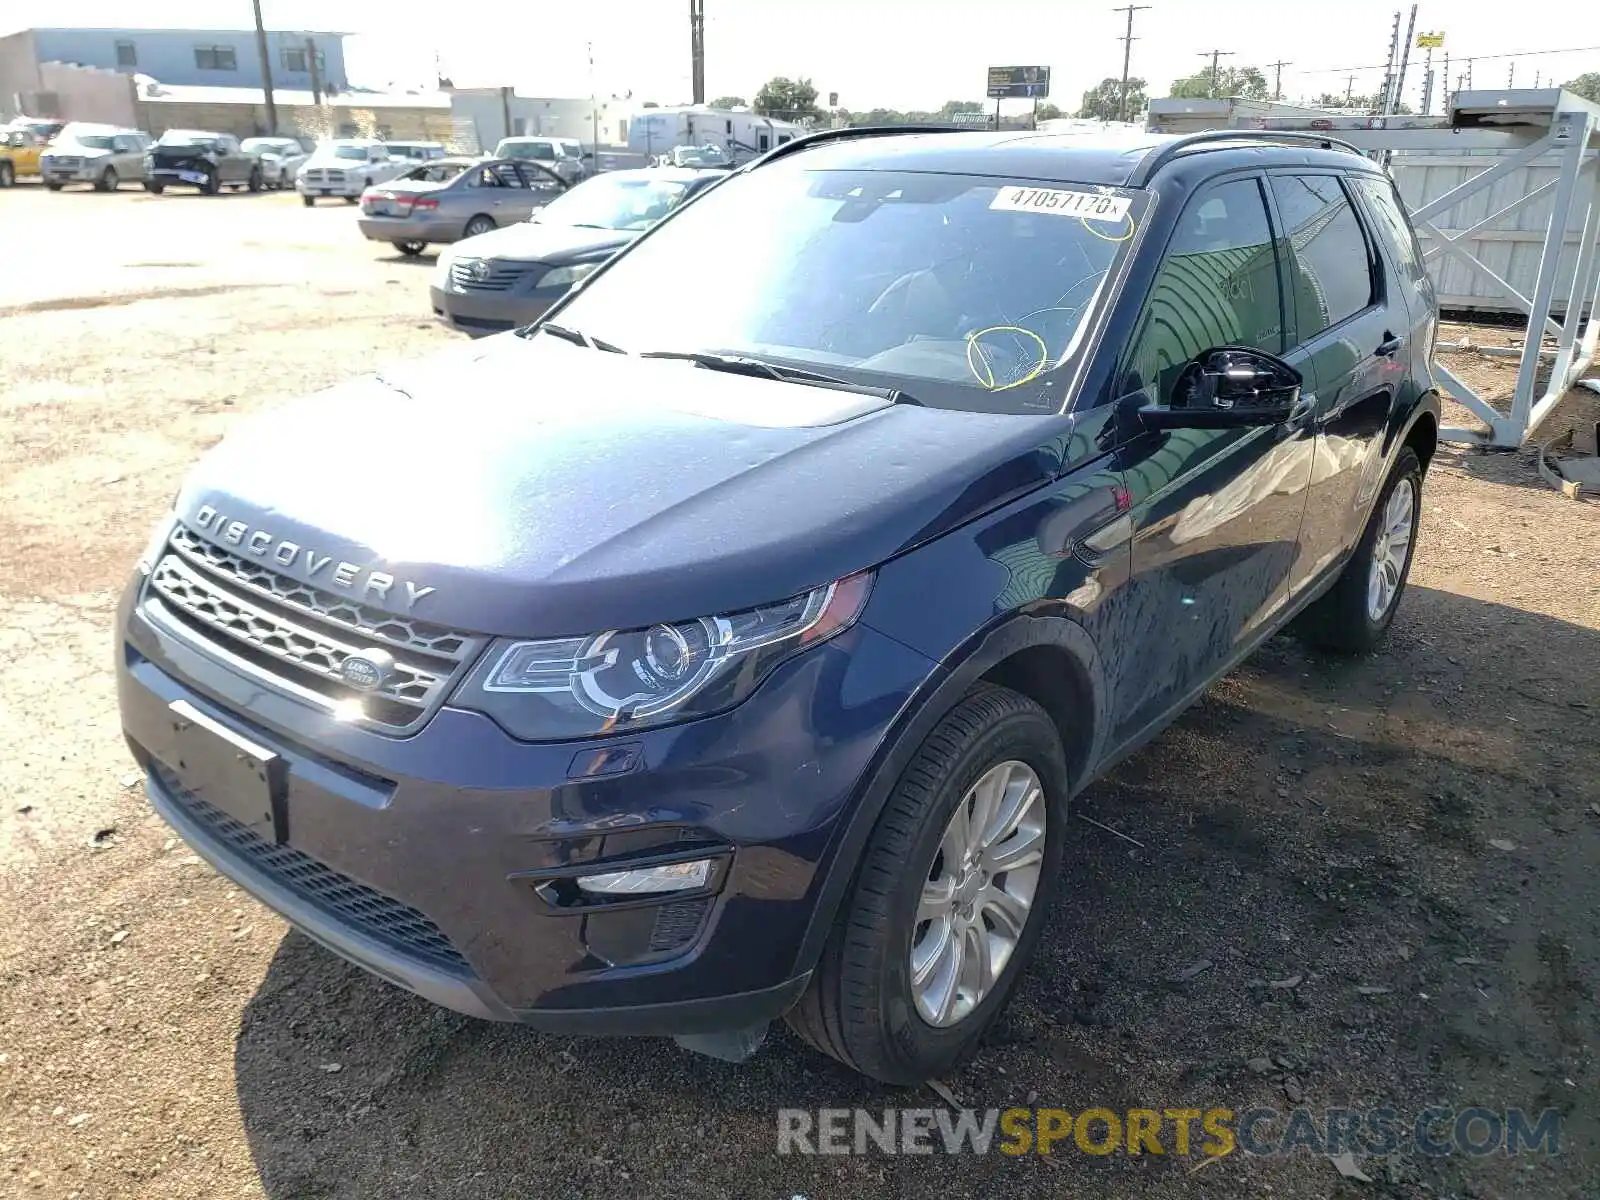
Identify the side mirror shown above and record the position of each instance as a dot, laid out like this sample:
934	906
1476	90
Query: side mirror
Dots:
1229	387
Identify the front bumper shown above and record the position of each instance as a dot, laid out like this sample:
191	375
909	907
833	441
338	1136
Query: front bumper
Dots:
480	313
89	172
318	187
427	860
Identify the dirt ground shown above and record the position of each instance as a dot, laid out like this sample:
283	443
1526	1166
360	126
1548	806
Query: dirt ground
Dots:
1369	883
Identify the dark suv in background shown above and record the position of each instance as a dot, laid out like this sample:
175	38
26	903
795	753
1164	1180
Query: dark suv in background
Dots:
730	644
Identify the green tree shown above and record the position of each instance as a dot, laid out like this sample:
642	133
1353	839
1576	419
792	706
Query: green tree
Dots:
1242	83
650	104
729	102
949	109
1103	102
788	99
1048	111
1586	85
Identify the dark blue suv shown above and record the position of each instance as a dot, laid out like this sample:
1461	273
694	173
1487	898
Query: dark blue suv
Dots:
729	644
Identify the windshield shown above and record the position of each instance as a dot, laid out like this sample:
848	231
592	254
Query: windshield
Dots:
700	156
966	291
92	141
178	137
607	202
356	152
542	151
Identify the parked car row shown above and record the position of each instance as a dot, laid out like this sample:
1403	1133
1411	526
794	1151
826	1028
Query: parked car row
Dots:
107	156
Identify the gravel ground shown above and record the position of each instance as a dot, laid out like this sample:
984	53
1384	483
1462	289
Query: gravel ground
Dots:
1366	883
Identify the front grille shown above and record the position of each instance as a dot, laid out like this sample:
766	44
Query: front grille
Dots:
301	636
677	924
354	905
489	274
66	164
325	177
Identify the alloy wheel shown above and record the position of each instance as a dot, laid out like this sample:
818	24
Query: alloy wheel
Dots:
978	894
1391	550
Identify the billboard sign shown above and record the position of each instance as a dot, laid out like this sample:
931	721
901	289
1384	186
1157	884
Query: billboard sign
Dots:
1430	41
1018	82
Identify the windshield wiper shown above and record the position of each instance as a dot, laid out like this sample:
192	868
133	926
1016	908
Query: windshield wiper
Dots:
578	337
739	364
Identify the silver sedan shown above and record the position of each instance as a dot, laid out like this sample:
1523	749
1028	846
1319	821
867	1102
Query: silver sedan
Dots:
455	198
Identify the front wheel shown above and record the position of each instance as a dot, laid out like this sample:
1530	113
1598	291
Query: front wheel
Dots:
308	201
352	199
950	896
211	185
1353	615
155	188
107	182
8	175
53	185
255	179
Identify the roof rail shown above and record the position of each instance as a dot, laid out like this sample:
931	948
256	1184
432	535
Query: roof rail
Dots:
1166	153
808	140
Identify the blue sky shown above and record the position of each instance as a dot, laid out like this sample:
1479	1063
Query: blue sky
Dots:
890	53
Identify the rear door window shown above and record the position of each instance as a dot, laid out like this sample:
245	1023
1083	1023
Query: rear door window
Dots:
1218	286
1393	225
1330	263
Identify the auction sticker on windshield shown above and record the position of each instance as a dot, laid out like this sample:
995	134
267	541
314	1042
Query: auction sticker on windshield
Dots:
1091	206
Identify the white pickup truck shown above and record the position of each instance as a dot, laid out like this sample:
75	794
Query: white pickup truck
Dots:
346	168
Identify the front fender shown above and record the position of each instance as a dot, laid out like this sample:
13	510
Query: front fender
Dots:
939	693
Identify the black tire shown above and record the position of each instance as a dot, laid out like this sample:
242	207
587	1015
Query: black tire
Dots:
52	185
108	181
482	223
212	184
1340	619
8	174
859	1007
308	201
255	179
410	249
352	199
155	188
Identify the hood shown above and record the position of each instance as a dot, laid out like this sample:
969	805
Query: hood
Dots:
73	150
534	241
542	489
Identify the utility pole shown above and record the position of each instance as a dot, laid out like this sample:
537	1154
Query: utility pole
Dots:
697	49
1214	55
1427	84
266	70
1511	75
1349	91
1277	78
505	111
316	74
1405	58
1127	52
594	112
1394	55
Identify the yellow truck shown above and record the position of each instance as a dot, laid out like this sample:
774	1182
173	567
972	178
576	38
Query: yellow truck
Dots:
20	149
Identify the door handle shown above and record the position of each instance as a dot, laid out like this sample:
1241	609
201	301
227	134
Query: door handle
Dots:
1389	345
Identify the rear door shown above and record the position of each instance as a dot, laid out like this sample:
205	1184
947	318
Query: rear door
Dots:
1216	512
536	188
1350	320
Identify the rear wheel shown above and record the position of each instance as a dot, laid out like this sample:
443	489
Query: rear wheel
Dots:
479	224
1353	615
950	896
108	181
352	199
255	179
52	185
8	174
308	201
411	249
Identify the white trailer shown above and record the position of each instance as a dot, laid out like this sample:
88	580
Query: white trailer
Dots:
742	133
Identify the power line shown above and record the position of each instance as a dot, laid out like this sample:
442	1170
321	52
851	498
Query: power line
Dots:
1479	57
1127	52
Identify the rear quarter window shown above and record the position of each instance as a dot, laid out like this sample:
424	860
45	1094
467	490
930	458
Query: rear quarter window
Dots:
1393	226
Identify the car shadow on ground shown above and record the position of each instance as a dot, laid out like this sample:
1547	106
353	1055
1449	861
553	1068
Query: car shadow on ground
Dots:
1307	899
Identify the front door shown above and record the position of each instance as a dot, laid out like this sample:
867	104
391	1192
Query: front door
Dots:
1358	314
1216	512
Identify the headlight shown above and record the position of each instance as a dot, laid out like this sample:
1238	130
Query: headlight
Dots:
622	681
567	276
441	268
149	161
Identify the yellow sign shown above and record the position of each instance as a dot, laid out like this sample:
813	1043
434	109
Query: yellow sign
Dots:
1430	41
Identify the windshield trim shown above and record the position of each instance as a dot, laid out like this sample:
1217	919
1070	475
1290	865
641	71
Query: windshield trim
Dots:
1081	354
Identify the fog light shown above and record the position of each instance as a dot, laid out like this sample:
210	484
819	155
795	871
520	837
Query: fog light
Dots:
675	877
